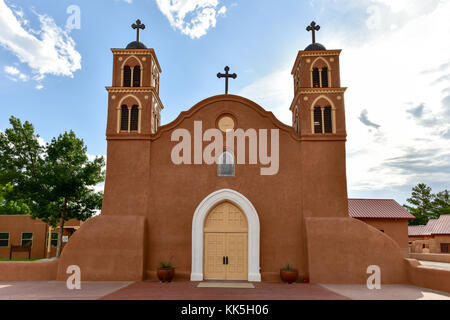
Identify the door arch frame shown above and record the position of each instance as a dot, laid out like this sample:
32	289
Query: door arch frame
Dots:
198	221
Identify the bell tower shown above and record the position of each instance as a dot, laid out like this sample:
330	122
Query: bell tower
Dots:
318	104
134	116
134	106
318	117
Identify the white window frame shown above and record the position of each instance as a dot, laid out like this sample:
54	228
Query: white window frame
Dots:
32	239
9	240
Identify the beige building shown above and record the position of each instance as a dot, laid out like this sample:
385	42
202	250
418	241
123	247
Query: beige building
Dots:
386	215
22	237
434	237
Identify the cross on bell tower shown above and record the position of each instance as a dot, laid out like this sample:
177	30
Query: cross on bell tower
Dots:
138	25
313	27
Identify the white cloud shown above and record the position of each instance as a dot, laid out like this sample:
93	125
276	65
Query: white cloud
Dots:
14	74
49	50
390	75
192	17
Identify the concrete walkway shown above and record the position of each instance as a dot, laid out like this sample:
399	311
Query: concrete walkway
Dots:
56	290
387	292
435	264
186	290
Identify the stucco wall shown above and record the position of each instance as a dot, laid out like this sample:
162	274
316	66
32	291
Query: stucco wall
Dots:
143	180
107	248
28	270
397	229
341	249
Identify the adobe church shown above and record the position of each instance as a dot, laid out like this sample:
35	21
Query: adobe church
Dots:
226	220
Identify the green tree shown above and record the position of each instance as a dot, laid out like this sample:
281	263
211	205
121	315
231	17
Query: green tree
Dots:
441	203
54	181
66	183
21	156
421	204
9	206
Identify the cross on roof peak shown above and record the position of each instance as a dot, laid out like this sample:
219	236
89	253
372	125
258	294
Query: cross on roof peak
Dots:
138	25
226	75
313	27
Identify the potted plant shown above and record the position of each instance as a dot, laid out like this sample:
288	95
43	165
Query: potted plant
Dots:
288	274
166	271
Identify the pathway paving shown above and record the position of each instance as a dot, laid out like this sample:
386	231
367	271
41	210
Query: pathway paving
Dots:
56	290
435	264
187	290
182	290
387	292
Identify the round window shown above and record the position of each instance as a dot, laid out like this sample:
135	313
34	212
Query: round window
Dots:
226	123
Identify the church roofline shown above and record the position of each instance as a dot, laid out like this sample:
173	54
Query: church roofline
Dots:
224	97
314	53
149	51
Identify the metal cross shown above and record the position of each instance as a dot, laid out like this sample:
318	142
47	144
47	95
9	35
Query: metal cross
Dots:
138	25
226	75
313	27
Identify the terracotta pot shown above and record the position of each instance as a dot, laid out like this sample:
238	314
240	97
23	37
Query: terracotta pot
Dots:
289	276
165	274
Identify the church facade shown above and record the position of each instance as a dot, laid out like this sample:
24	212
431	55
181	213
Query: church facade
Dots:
226	220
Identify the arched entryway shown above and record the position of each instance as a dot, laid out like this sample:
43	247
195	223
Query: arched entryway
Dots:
225	243
202	225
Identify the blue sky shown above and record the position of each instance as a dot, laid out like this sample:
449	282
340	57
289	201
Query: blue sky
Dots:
395	61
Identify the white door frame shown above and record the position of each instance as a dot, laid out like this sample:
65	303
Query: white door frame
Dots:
253	231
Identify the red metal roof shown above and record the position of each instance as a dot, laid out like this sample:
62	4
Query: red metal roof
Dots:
434	226
440	226
377	209
419	230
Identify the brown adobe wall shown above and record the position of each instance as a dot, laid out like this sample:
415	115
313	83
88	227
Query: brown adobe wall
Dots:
341	249
28	270
106	248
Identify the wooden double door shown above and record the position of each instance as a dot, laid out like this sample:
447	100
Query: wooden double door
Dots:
225	243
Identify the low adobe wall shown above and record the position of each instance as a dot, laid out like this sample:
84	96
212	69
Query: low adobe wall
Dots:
106	248
28	270
438	257
341	249
426	277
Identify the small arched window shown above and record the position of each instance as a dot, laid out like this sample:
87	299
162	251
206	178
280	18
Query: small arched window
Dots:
317	120
127	76
323	119
137	76
225	166
134	120
327	121
316	78
325	78
124	118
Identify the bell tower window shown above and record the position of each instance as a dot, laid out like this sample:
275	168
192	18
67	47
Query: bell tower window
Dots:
327	121
134	119
137	76
129	118
127	76
316	78
317	120
323	119
124	118
324	77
